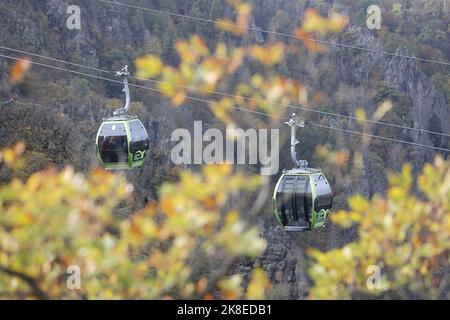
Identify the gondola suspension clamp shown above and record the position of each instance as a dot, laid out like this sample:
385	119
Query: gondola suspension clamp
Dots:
295	122
124	74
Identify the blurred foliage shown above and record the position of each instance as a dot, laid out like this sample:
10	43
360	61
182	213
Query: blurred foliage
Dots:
19	70
238	27
203	70
406	235
56	219
53	219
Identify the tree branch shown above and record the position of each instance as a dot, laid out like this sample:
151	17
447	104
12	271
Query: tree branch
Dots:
32	283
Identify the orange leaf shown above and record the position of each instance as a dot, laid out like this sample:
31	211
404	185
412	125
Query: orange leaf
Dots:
179	98
167	207
311	43
19	69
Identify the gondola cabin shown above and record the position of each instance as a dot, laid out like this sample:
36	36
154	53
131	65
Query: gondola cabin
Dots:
302	199
122	143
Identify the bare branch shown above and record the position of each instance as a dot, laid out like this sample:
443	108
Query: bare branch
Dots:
32	282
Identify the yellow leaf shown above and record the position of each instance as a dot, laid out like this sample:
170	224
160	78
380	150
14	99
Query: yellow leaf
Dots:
199	45
382	109
268	55
358	203
184	52
337	22
11	156
258	285
149	66
167	89
361	115
179	98
226	25
314	22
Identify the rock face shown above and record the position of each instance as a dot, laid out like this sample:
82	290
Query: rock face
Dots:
429	109
279	261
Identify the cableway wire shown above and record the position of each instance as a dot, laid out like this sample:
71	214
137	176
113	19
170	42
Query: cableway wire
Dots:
281	34
236	108
324	113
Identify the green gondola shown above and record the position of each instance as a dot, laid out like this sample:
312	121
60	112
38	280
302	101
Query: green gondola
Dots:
302	198
122	141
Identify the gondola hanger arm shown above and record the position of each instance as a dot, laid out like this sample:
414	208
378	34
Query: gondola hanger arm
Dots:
126	89
295	122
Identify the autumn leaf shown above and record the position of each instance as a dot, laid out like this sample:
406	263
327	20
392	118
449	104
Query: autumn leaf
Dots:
226	25
19	70
12	155
337	22
240	27
406	236
243	10
149	66
310	43
179	98
382	110
315	23
361	116
258	285
268	55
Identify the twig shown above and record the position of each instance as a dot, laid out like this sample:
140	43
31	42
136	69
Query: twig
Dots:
32	283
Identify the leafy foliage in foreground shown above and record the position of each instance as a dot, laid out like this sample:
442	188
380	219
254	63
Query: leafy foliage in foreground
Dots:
406	236
57	219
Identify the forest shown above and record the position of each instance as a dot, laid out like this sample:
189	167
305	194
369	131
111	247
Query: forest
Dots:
372	114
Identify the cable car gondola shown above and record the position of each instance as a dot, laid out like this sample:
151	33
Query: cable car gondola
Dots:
122	141
302	197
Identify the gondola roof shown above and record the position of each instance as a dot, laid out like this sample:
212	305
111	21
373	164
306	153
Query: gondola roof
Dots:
123	117
302	171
